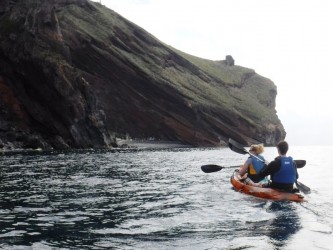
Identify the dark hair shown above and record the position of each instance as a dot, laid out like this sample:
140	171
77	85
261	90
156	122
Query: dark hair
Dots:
283	147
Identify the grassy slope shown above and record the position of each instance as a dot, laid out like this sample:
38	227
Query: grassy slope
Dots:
243	91
216	87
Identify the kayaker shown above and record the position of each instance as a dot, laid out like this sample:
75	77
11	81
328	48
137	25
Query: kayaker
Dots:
253	165
282	171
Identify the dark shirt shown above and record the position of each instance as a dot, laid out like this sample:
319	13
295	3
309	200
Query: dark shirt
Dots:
271	169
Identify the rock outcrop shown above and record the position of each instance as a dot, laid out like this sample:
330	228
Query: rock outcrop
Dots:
74	74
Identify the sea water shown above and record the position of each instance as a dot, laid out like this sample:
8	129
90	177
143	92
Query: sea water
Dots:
156	199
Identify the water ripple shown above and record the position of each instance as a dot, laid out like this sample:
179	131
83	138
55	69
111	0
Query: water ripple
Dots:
141	200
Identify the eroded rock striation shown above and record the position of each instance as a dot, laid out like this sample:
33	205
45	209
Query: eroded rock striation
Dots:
74	74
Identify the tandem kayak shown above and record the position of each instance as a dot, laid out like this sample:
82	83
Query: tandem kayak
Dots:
266	193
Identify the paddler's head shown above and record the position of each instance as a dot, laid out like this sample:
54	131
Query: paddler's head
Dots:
282	147
257	149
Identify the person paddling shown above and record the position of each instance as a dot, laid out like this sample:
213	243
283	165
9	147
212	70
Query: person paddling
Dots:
253	165
282	171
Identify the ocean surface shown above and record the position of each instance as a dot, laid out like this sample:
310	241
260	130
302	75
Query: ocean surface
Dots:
156	199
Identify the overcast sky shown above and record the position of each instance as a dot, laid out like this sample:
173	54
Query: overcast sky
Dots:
287	41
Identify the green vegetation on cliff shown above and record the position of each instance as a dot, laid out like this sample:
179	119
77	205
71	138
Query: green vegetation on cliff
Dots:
109	77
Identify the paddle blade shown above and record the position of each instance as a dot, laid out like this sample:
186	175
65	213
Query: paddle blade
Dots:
211	168
300	163
236	147
305	189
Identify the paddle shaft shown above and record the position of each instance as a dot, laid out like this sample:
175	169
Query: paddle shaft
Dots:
255	156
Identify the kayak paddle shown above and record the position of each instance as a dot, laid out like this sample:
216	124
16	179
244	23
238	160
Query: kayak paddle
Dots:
300	163
305	189
210	168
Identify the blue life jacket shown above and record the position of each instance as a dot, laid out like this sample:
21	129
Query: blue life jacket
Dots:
287	172
256	165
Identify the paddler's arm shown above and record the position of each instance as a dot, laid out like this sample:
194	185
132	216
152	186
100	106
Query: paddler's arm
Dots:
269	169
243	169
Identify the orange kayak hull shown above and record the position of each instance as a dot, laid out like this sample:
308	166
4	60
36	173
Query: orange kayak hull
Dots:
265	193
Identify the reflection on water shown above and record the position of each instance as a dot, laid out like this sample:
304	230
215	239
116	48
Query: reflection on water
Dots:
142	199
285	224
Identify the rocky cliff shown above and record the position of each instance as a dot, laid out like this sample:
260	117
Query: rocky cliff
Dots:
74	74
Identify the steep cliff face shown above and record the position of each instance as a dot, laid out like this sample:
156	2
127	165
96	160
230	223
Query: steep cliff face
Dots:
76	74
